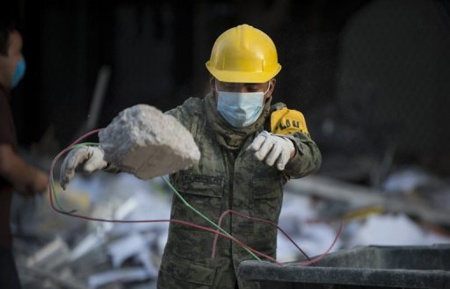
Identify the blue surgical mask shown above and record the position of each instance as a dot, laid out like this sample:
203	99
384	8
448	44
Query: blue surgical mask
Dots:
19	73
240	109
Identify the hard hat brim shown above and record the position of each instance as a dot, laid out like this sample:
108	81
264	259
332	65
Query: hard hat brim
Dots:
241	76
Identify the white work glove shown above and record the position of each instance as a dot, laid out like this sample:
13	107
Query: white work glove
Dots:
90	156
273	148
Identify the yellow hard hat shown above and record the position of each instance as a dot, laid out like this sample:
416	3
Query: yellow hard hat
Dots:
244	54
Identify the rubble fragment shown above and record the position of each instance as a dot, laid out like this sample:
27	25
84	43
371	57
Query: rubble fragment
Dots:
147	143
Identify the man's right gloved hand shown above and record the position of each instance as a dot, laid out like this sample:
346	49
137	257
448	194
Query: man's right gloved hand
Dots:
90	156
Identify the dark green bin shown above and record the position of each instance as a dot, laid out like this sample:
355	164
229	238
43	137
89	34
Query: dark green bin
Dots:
373	267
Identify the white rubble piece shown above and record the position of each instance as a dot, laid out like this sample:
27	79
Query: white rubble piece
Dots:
361	196
147	143
50	256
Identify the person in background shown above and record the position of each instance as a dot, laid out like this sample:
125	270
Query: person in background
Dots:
15	173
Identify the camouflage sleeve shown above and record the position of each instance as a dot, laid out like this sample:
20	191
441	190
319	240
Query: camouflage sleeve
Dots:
185	113
180	114
307	158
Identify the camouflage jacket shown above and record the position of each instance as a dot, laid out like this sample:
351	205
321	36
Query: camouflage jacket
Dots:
224	180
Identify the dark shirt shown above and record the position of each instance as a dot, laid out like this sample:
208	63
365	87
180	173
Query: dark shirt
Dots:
8	137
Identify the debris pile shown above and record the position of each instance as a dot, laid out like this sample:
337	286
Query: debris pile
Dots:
95	254
56	251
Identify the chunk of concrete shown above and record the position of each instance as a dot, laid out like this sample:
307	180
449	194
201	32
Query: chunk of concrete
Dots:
147	143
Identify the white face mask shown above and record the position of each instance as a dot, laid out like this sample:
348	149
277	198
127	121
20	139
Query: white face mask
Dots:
240	109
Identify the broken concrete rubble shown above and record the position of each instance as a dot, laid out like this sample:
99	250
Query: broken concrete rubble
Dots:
107	255
102	254
147	143
360	196
50	256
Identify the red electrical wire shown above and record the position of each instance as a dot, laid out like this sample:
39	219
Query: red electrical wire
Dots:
309	262
216	232
256	220
320	257
137	221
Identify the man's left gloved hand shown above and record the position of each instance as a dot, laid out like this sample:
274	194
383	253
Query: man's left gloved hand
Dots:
273	148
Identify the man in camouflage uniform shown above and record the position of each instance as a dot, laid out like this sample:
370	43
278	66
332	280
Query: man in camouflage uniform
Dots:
250	149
